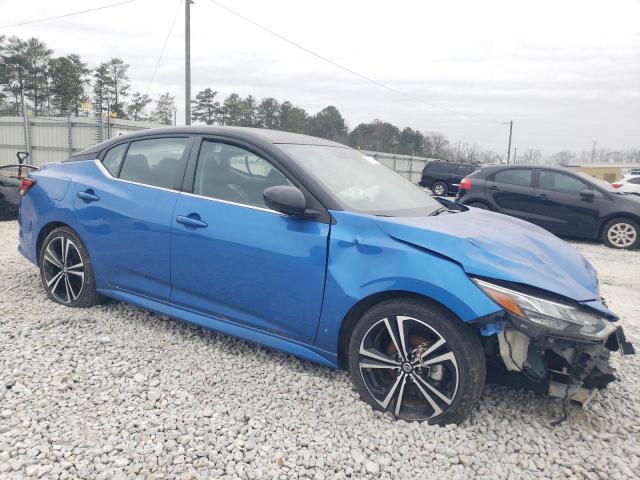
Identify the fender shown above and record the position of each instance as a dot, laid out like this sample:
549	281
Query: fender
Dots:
358	245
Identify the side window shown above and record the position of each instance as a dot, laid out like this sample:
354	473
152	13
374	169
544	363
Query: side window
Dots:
635	181
465	170
113	159
233	174
561	182
153	162
438	167
515	176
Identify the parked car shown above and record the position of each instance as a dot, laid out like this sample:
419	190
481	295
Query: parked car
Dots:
9	197
311	247
10	178
555	198
443	177
629	183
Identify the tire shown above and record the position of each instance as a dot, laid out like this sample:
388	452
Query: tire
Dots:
67	278
443	392
440	189
621	233
480	205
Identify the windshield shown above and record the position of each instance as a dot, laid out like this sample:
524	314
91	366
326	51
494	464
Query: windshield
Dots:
600	183
361	183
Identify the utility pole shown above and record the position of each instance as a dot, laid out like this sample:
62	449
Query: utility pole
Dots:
593	150
187	61
510	123
515	154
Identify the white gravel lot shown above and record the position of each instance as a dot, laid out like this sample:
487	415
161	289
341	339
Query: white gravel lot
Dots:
117	392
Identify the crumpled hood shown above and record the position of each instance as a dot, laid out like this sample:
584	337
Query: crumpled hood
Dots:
493	245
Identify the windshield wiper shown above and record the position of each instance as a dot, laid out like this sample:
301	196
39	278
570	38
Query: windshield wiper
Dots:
439	211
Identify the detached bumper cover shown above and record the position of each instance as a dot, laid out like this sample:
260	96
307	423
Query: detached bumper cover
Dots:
562	367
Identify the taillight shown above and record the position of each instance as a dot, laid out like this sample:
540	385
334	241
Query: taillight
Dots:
465	184
616	185
26	184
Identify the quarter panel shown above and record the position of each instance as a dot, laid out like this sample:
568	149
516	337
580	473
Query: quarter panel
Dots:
45	202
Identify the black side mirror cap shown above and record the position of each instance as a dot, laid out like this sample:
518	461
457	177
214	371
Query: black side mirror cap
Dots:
285	199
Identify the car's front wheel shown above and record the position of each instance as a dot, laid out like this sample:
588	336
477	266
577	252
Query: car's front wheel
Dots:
66	271
621	233
417	361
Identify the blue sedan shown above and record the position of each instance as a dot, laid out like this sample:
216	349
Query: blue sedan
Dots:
313	248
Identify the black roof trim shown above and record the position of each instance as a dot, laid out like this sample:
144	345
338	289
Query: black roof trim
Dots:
243	133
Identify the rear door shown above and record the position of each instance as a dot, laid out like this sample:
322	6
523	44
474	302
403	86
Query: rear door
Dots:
511	192
235	259
125	208
561	208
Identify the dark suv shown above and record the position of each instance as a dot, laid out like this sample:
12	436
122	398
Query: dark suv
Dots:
443	177
557	199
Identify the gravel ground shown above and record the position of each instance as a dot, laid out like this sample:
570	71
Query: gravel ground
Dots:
118	392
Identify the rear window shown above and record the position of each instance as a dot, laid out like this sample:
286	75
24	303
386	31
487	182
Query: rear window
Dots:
466	169
153	162
113	159
520	176
439	167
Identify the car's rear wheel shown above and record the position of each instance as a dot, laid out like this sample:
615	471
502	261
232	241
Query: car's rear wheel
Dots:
439	189
621	233
417	361
66	271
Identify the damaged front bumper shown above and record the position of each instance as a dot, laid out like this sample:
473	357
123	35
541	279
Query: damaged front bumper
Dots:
568	368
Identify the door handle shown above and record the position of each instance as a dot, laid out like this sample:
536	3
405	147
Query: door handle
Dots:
191	221
542	196
88	196
494	187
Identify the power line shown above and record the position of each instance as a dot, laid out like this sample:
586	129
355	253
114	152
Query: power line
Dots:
164	46
347	69
29	22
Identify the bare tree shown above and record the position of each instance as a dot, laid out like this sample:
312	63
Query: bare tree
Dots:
532	156
436	144
563	157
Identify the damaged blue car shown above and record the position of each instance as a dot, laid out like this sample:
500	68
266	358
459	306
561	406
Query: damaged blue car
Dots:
313	248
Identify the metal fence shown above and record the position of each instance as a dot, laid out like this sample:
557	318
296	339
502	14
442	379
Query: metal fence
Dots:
53	139
408	166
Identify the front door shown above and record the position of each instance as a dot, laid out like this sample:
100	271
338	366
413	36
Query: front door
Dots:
125	206
562	209
234	259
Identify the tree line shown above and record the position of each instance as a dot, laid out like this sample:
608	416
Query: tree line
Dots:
33	81
329	123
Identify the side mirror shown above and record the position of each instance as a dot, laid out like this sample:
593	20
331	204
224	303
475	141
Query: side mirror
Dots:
587	194
285	199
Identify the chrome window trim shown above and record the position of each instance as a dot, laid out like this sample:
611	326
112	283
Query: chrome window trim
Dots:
228	202
108	175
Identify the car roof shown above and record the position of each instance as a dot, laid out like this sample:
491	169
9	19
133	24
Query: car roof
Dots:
505	166
435	162
239	133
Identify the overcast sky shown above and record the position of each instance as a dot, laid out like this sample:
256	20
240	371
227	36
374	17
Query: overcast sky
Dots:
567	72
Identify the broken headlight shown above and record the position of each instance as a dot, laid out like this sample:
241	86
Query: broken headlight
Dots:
540	315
